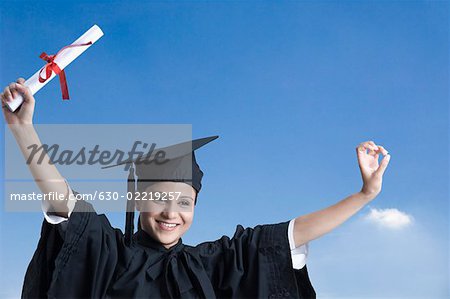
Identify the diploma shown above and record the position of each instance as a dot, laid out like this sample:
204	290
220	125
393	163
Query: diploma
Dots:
57	63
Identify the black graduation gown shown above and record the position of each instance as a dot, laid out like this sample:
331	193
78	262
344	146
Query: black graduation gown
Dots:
86	258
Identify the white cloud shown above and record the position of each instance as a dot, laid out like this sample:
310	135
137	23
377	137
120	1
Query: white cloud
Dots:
389	218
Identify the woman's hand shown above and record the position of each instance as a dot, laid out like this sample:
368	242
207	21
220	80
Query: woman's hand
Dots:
372	172
24	114
312	226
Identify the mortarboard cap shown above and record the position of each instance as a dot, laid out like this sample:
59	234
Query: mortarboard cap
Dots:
175	163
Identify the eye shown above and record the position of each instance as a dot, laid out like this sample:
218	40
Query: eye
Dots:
184	203
158	202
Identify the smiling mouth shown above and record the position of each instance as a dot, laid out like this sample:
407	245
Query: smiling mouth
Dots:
167	226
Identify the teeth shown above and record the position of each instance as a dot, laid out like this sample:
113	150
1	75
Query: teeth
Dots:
168	224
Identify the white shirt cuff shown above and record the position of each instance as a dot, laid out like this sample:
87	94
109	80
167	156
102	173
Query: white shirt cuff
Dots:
298	254
55	219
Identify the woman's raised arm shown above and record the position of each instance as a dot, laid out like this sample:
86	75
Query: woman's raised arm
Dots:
20	123
314	225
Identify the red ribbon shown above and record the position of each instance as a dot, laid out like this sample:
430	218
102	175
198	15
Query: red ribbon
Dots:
51	66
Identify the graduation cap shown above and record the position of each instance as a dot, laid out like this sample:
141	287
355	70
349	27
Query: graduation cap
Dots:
175	163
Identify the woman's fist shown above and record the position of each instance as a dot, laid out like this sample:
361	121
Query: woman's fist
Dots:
24	114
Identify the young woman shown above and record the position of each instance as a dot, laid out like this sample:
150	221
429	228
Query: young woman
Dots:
80	255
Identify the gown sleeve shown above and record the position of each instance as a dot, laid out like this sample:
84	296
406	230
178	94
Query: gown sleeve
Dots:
75	258
255	263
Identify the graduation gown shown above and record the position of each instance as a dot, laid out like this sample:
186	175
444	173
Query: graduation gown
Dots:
85	257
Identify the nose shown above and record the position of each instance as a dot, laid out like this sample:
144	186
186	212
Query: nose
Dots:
169	214
168	211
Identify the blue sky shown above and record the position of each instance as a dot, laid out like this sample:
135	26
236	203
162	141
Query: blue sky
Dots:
291	88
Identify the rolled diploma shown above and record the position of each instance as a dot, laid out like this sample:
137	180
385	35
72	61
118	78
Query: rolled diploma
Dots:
62	60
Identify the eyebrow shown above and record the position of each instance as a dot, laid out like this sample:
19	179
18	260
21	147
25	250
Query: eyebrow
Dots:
186	196
181	196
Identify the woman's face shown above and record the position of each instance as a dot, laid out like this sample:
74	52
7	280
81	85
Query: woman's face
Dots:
167	220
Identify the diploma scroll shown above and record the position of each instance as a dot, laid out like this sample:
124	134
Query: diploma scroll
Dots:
63	59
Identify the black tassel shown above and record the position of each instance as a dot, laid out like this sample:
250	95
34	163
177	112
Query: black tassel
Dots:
129	221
